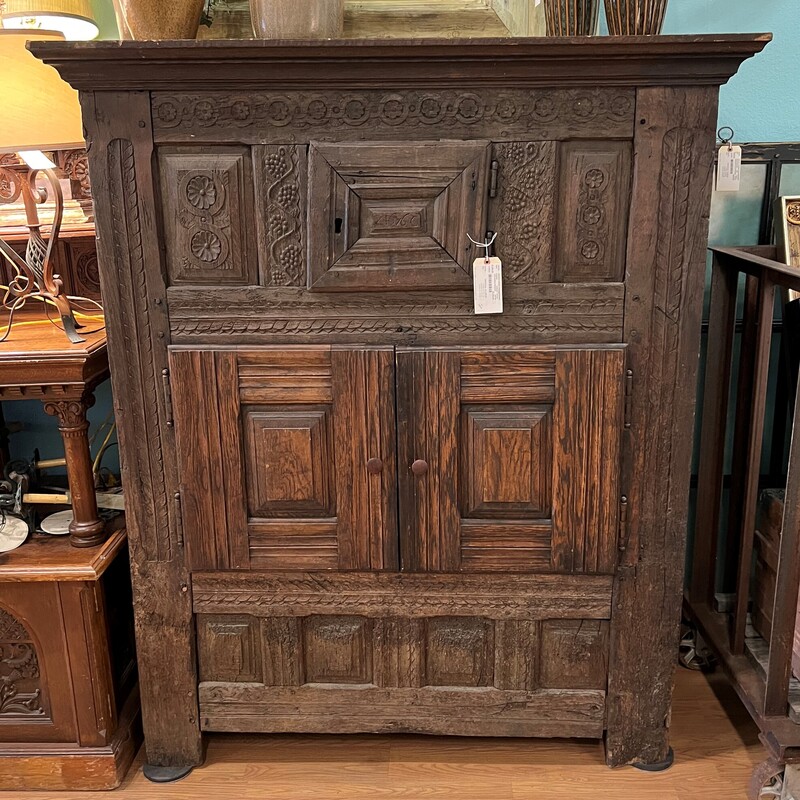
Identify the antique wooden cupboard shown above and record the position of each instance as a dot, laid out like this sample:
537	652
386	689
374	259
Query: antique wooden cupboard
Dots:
355	505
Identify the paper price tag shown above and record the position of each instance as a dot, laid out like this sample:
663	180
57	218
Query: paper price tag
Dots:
729	168
537	2
487	280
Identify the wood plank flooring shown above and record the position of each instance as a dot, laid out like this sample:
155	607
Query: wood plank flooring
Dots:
715	742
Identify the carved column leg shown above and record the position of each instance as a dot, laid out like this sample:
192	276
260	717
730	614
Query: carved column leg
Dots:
86	528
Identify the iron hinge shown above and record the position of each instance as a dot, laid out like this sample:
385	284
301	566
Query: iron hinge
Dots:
628	397
494	168
167	396
622	542
178	518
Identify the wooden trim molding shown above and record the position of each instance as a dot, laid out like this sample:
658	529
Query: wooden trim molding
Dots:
523	62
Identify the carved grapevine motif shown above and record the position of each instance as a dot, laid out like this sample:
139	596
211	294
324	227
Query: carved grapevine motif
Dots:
76	166
286	264
413	109
20	688
524	209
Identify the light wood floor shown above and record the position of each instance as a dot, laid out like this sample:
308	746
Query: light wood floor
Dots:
715	742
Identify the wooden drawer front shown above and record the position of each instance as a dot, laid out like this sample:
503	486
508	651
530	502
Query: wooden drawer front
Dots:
395	215
377	652
522	450
287	457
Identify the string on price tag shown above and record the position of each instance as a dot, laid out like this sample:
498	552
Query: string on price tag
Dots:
729	163
487	280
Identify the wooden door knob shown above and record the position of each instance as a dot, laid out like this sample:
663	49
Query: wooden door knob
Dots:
374	466
419	467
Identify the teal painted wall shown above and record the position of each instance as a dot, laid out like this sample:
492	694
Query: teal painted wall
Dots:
762	101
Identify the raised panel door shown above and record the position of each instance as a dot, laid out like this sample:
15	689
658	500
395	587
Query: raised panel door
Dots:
287	457
508	459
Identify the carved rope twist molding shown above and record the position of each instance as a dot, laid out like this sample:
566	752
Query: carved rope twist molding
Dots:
310	110
184	327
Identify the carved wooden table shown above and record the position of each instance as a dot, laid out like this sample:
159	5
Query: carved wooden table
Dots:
69	705
37	362
355	505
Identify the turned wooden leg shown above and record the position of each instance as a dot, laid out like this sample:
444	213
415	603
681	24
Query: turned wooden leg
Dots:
86	528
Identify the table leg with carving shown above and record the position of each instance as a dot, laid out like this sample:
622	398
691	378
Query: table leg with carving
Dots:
86	528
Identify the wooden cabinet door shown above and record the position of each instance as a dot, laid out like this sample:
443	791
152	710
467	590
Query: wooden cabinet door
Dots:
287	457
509	459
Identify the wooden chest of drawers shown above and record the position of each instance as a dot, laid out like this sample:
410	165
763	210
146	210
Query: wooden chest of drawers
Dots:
354	504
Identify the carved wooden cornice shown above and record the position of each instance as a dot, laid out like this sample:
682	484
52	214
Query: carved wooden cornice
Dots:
519	62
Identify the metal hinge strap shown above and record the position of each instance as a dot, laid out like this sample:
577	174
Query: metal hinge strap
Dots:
628	397
167	396
623	524
494	168
178	518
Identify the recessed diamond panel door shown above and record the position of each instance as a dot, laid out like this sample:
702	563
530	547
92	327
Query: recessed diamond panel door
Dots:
288	457
395	215
508	459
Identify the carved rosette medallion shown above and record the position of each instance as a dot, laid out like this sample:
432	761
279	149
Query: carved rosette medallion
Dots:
20	684
793	212
590	223
309	111
203	213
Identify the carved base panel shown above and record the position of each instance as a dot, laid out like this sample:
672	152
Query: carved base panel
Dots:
390	653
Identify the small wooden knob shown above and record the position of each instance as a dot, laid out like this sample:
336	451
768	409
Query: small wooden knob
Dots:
419	467
374	466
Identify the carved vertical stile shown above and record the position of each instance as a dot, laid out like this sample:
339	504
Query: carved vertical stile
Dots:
280	174
133	285
666	264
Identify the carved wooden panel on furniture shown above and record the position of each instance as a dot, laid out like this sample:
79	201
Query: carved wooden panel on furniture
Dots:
288	457
229	649
593	220
395	215
269	117
402	640
541	313
206	195
523	211
281	177
530	419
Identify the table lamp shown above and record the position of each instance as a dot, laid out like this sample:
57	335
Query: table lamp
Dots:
39	112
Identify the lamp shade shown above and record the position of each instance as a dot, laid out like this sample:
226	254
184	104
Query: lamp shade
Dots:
73	18
38	110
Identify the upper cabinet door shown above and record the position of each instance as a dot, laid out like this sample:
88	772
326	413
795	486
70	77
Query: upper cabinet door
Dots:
395	215
508	459
287	457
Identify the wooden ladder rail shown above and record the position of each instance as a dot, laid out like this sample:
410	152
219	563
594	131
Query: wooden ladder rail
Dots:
764	275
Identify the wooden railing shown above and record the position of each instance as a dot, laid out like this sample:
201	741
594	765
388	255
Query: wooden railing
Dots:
766	696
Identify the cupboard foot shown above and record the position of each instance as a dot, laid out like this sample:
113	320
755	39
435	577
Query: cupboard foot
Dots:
157	774
659	766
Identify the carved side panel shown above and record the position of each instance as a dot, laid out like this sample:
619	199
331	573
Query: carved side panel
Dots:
272	117
337	649
593	220
207	197
84	272
229	649
459	651
574	654
143	458
20	679
281	176
522	213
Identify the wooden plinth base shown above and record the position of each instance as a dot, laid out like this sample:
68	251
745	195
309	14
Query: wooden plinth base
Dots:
70	767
